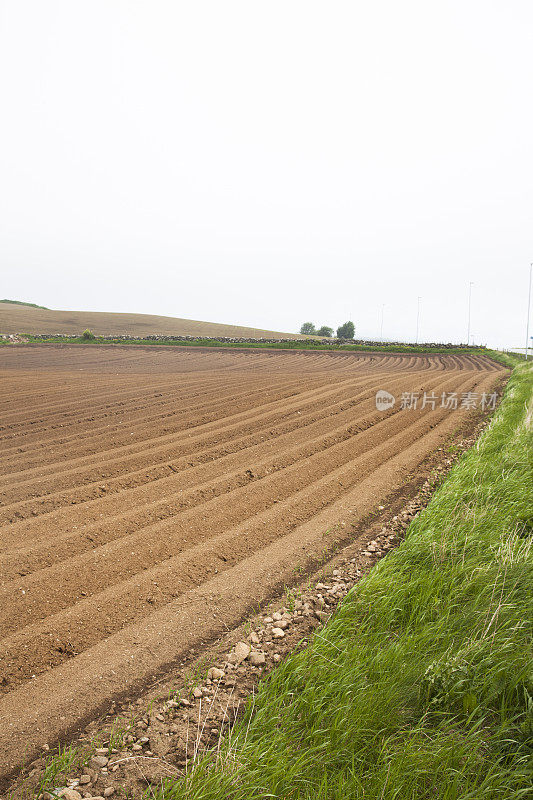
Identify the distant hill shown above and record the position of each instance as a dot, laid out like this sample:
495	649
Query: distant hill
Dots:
22	303
19	317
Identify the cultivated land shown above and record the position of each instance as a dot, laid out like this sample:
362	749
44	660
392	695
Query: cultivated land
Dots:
420	686
150	497
20	318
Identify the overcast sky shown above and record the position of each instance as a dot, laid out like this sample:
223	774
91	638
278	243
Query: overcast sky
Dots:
267	163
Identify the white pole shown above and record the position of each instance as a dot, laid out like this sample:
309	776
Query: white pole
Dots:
417	318
469	307
528	309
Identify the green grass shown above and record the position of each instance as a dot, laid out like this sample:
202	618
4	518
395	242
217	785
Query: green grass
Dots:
58	766
22	303
422	684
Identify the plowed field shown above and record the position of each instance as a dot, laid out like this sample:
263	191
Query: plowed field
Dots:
151	496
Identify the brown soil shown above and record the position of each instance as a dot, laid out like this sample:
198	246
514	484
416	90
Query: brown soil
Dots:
151	498
24	319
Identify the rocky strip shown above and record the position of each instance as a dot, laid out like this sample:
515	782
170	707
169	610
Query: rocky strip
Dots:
20	338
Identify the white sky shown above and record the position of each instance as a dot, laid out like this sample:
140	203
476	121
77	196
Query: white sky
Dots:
268	163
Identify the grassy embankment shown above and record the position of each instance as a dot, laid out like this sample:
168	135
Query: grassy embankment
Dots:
421	686
295	344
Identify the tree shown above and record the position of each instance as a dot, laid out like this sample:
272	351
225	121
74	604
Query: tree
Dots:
325	331
346	331
88	335
308	328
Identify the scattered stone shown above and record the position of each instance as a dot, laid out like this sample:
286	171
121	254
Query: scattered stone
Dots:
197	692
215	674
257	659
69	794
278	633
242	651
108	791
97	762
83	779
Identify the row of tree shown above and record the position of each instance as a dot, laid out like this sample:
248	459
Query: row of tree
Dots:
345	331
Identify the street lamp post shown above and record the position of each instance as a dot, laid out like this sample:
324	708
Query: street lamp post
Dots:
528	309
469	307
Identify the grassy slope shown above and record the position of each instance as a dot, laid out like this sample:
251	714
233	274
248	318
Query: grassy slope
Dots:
422	684
26	318
23	303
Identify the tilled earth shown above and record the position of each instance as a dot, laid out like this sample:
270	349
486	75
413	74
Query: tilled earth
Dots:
151	497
